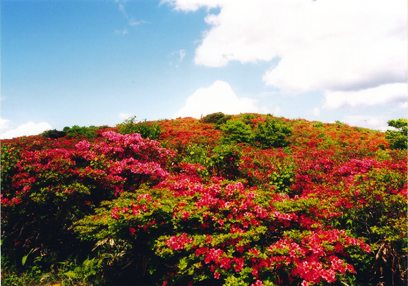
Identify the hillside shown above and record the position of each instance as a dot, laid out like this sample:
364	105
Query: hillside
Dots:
247	199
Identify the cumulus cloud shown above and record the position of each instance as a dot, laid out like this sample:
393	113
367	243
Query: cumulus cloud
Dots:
331	45
384	94
219	97
4	123
316	111
27	129
277	110
123	115
188	5
372	122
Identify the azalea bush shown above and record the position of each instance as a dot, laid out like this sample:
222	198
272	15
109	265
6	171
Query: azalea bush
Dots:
46	190
245	199
224	232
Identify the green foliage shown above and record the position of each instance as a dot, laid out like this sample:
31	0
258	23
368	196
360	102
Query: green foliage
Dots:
53	134
236	131
247	119
199	154
282	177
8	161
272	134
225	160
397	139
121	250
318	124
77	131
217	118
227	210
339	123
81	273
146	129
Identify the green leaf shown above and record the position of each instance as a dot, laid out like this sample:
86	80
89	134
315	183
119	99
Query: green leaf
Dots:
24	259
183	263
71	274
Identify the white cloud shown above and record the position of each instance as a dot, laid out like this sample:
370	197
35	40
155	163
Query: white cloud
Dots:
133	22
123	115
330	45
219	97
384	94
121	6
276	111
316	111
122	32
4	123
27	129
372	122
404	105
188	5
182	54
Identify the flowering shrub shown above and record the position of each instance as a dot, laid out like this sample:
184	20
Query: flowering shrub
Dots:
224	231
330	207
44	191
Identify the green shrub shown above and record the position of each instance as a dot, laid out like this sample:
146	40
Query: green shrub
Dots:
198	154
77	131
146	129
282	178
8	161
54	134
236	131
225	160
318	124
247	119
217	118
339	123
213	117
397	139
271	134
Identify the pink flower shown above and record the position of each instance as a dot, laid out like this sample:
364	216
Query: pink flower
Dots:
254	272
185	215
257	283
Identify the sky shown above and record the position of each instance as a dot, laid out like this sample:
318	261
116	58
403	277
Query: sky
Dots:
99	62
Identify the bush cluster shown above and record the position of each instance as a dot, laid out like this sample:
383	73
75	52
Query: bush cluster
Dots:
146	129
258	201
397	139
268	134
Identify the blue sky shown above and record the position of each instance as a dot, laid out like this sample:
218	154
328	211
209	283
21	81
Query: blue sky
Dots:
67	62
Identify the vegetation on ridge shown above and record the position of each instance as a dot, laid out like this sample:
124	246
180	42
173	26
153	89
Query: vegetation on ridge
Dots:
245	199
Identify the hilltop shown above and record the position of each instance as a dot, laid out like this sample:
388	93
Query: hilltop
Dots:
248	199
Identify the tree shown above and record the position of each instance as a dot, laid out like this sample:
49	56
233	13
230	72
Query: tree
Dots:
397	139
